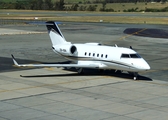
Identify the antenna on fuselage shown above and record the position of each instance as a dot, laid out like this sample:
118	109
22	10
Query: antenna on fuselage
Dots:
115	45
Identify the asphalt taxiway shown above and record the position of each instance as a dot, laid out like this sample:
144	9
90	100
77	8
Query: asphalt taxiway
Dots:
57	93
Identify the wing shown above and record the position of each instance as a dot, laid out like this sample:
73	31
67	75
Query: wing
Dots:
54	65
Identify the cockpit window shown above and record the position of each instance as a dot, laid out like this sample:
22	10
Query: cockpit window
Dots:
135	56
125	56
130	56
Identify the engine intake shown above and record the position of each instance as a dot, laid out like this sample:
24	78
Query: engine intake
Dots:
73	49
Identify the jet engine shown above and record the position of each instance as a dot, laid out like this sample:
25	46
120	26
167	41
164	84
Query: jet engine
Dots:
67	50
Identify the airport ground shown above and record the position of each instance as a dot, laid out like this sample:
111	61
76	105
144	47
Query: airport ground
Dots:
85	16
57	93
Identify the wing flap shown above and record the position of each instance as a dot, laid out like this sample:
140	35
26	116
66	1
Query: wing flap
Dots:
54	65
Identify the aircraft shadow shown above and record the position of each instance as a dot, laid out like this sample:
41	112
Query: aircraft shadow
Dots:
91	72
6	64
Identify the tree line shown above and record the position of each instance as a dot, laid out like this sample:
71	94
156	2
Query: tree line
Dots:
128	1
60	5
33	5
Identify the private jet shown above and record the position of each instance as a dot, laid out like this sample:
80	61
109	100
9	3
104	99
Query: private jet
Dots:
91	55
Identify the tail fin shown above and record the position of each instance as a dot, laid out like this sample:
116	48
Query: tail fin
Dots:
55	34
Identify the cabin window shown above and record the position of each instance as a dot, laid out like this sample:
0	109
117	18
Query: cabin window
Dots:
93	54
97	55
101	55
89	54
85	53
125	56
135	56
106	56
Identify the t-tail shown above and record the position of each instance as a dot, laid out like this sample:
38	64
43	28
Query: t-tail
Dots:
55	34
59	44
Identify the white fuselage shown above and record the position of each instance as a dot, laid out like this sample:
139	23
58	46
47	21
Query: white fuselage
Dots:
106	57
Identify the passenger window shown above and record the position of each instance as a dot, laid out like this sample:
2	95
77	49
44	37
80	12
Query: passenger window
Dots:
97	55
106	56
89	54
125	56
101	55
85	53
93	54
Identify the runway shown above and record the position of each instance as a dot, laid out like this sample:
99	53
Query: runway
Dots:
57	93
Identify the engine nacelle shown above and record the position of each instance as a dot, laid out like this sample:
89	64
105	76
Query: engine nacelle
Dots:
68	49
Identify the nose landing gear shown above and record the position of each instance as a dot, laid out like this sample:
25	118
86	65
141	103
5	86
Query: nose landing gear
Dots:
134	74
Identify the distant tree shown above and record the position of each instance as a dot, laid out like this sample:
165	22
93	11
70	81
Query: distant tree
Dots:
62	5
82	8
103	6
92	8
19	5
74	7
36	4
164	1
97	1
48	5
59	5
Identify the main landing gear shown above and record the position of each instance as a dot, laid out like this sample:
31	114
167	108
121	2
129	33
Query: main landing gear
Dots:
80	70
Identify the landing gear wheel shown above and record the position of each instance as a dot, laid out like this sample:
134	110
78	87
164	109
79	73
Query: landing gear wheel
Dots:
135	75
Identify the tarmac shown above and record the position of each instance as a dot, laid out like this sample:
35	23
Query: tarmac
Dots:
62	94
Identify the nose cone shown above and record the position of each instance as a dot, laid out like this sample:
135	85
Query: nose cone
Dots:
146	66
141	65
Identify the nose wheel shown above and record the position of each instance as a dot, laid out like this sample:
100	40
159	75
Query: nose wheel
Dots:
134	74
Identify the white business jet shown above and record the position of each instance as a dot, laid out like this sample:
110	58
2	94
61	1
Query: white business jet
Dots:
92	55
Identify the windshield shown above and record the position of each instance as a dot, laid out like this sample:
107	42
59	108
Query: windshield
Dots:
130	56
125	56
135	56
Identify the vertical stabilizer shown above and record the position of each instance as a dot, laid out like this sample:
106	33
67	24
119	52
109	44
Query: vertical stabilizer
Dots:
55	34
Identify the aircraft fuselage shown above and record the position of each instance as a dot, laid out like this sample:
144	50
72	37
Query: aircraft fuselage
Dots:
106	57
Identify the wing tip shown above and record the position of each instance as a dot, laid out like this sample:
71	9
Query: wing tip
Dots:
14	60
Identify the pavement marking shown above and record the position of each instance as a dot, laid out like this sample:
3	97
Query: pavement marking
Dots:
49	68
121	38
